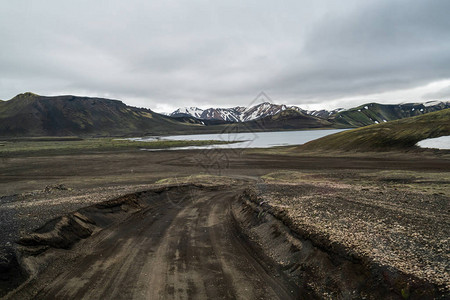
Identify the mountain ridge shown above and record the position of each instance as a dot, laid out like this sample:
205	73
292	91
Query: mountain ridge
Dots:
352	117
30	115
376	113
234	114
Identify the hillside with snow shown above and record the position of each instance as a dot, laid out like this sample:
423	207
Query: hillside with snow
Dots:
366	114
234	114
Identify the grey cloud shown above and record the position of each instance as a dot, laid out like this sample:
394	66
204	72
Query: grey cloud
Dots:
440	94
222	52
387	45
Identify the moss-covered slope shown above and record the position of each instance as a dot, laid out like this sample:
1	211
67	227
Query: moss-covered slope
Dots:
400	134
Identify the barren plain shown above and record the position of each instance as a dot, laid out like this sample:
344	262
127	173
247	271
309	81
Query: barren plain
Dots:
253	224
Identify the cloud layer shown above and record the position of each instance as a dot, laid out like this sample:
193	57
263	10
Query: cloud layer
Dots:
168	54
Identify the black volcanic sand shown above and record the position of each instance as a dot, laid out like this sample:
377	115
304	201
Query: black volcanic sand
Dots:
274	226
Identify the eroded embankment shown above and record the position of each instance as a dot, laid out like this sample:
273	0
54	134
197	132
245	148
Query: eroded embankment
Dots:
22	264
327	270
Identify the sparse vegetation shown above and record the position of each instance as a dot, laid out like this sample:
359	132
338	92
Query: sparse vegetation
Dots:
46	146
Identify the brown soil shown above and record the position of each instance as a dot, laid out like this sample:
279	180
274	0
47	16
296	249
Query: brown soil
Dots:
192	243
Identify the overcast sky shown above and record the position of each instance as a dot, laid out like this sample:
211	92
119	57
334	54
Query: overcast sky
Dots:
168	54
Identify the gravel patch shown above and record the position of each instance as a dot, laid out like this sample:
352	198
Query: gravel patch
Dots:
408	231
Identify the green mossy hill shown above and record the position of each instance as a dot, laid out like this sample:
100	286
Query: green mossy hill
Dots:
29	114
373	113
400	134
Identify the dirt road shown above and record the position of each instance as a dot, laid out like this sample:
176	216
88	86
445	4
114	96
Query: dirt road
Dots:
184	249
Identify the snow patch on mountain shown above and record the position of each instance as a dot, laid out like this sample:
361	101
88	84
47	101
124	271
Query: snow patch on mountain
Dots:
235	114
191	111
432	103
265	109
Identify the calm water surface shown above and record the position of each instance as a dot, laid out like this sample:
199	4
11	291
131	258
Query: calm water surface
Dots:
250	139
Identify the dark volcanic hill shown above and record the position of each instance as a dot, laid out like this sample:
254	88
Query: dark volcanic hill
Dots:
29	114
286	120
289	119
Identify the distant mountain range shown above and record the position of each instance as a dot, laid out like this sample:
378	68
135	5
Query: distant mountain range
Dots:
234	114
29	115
363	115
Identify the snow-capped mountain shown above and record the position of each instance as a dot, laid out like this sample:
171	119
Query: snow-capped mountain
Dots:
188	111
324	114
375	113
371	113
263	110
234	114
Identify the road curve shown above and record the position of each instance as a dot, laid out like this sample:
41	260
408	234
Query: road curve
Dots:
187	248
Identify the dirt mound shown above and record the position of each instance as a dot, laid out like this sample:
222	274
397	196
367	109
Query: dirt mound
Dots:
63	232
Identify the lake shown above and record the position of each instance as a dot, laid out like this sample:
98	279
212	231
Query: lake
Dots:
249	139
